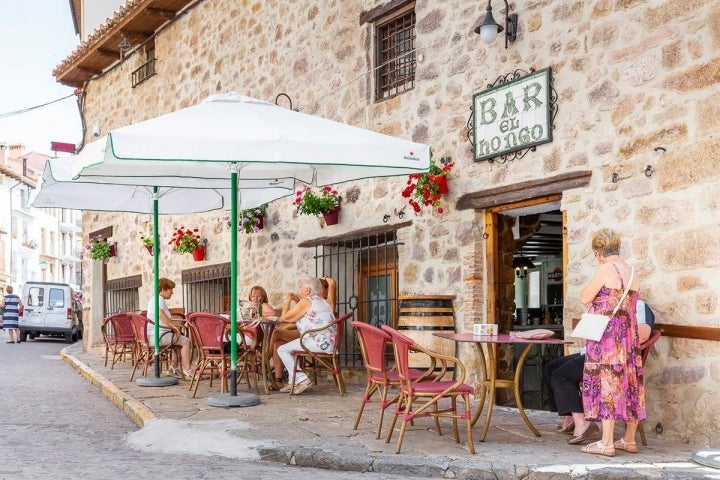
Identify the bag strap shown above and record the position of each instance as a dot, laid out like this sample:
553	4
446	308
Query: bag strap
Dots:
627	289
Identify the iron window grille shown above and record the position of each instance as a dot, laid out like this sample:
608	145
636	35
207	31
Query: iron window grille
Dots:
395	58
122	295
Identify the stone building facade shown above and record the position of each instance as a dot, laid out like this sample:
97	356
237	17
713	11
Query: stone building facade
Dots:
634	148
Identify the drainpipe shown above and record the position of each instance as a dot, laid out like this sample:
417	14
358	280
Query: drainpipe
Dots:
20	182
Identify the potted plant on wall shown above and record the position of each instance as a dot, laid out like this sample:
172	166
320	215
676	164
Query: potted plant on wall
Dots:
426	189
251	220
186	240
325	202
100	248
147	241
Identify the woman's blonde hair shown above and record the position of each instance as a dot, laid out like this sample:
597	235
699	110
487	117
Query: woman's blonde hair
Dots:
263	293
606	242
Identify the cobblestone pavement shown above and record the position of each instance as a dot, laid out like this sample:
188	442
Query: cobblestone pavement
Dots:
57	425
315	429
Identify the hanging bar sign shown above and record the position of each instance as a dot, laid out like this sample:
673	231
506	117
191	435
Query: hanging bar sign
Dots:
513	116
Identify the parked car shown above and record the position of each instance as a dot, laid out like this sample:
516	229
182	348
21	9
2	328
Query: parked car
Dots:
50	309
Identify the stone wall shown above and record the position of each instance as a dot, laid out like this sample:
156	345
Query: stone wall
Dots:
631	75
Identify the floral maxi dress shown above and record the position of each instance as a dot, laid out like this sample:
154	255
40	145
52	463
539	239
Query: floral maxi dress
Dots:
612	387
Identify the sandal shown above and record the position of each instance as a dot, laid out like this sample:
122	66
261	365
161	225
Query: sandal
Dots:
286	388
597	448
630	447
569	429
302	386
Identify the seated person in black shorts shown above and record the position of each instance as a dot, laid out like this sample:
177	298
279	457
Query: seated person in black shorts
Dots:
563	377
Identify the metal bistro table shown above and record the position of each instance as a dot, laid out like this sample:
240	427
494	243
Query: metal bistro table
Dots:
489	370
267	325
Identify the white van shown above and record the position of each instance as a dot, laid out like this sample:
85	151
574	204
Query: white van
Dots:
50	309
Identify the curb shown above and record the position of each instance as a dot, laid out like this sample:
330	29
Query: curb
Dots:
134	409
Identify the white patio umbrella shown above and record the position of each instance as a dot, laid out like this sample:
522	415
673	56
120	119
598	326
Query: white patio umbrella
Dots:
231	136
59	190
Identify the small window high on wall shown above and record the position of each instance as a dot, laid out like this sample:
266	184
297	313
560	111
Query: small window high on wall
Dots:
395	59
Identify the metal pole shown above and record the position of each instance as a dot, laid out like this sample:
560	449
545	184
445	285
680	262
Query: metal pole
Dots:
233	282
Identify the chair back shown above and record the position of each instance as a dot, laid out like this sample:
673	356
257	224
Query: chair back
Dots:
401	347
139	326
121	327
208	330
373	344
340	329
647	344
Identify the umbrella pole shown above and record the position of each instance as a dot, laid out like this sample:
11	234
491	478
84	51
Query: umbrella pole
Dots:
233	399
233	282
156	381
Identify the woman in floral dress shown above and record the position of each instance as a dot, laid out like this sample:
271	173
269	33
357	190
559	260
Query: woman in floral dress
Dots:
612	386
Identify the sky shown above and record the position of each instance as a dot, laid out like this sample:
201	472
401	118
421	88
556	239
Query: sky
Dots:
36	36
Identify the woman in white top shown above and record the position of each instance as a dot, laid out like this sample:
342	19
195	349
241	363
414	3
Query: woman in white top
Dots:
310	311
168	329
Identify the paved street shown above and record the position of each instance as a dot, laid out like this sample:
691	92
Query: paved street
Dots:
57	425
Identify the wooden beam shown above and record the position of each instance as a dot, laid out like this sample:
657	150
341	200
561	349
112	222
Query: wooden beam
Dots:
687	331
354	235
522	191
158	13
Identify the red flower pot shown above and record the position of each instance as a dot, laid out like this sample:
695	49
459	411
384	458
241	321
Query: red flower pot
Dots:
112	250
332	217
442	183
149	249
199	253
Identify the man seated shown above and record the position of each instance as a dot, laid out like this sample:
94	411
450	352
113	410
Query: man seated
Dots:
564	375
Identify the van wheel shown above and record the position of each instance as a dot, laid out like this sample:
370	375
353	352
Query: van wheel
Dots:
23	336
32	336
69	337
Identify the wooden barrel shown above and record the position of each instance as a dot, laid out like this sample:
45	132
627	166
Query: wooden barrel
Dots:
423	315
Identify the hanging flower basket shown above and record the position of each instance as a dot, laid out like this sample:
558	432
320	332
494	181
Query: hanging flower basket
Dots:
332	217
311	202
251	220
147	241
185	240
100	248
199	253
426	189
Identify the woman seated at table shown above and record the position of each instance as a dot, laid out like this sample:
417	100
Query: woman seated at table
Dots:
310	311
169	330
259	299
288	333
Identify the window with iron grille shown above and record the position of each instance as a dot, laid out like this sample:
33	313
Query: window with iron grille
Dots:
122	295
146	70
207	289
395	54
365	267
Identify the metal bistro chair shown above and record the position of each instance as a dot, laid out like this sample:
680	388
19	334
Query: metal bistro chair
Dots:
119	340
249	351
412	391
208	332
320	362
145	347
380	375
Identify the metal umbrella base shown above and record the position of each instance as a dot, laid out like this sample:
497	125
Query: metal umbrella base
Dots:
157	381
229	400
233	399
